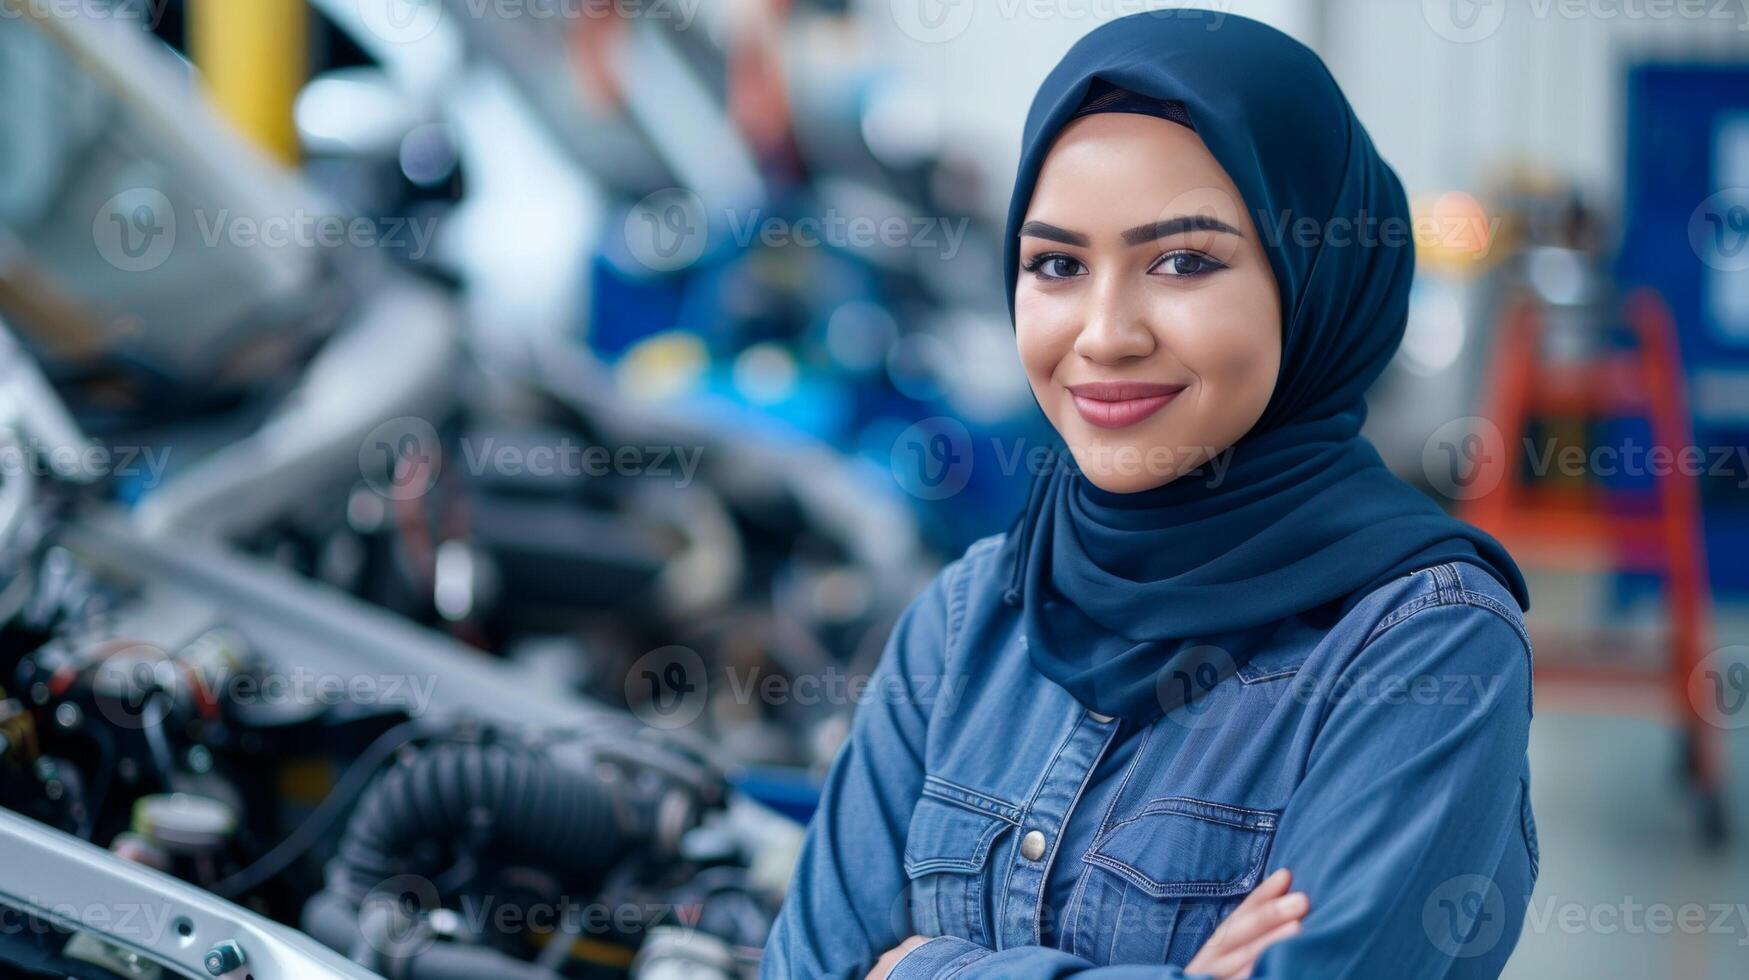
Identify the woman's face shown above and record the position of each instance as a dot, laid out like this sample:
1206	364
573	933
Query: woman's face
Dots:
1148	319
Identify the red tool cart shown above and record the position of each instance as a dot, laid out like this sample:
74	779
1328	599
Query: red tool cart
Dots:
1585	526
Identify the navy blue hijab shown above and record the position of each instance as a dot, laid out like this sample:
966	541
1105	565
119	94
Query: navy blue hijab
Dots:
1136	602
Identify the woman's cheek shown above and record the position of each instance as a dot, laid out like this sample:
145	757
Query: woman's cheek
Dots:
1237	382
1042	338
1215	332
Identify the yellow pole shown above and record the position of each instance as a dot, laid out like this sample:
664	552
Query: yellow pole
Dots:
251	54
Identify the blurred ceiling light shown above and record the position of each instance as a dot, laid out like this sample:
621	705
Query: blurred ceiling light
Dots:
765	373
353	111
428	154
453	581
661	367
1557	274
902	124
1434	336
917	364
858	334
1453	233
988	384
1463	222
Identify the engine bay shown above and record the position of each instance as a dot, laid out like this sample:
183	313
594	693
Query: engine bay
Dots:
403	800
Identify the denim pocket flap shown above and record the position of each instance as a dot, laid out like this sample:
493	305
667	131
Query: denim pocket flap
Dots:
946	836
1180	848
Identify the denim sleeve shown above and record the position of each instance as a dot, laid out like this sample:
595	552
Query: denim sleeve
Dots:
1407	807
844	906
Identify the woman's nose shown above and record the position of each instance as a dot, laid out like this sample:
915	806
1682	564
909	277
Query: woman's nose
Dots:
1113	328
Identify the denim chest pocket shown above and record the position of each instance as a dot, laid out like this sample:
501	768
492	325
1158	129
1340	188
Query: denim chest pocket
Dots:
1157	883
947	854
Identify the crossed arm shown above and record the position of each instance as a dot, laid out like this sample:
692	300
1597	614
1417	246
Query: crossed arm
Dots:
1398	856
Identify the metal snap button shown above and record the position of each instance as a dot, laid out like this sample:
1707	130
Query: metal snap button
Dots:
1032	846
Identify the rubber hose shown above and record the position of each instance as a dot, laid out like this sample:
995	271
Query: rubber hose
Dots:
518	805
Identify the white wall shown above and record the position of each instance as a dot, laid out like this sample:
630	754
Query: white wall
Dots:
1542	83
986	60
1535	81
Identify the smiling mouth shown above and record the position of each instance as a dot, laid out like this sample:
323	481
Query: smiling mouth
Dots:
1119	404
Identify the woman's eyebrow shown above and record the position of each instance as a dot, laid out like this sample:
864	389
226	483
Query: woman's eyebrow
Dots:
1137	235
1176	225
1041	229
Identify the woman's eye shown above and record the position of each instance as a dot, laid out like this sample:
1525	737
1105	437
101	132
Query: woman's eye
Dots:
1054	266
1188	264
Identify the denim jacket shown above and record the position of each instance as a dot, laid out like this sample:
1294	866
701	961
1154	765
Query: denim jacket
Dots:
1381	759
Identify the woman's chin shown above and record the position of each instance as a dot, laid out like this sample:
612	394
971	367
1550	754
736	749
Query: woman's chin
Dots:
1131	465
1127	470
1124	483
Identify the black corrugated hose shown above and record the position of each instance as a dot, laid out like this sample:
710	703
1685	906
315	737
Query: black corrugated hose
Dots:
511	803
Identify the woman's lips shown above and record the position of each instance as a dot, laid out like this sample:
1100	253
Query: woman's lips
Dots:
1117	404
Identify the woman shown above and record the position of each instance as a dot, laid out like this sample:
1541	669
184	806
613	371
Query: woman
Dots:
1223	647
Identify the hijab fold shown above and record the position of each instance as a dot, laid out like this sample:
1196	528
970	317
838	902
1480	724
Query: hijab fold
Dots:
1135	603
